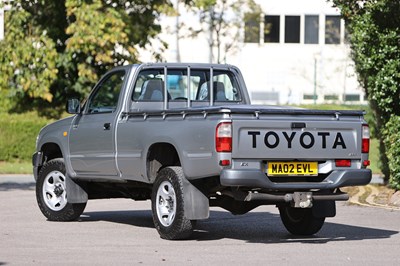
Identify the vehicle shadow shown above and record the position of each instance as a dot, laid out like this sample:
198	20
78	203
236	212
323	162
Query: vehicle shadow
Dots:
140	218
268	228
17	186
256	227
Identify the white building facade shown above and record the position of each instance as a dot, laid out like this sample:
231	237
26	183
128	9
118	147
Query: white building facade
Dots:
4	6
300	55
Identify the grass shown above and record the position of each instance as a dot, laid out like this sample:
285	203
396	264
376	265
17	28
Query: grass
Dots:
374	156
335	107
18	167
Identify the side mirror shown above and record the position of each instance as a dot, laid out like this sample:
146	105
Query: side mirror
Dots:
73	106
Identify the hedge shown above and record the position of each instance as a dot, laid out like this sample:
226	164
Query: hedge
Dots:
392	142
18	135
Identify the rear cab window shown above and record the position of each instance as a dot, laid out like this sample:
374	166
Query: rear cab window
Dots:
186	87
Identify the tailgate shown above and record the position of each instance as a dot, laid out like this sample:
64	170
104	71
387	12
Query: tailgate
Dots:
296	139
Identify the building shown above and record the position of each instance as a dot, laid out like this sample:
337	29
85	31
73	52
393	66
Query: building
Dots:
296	53
4	6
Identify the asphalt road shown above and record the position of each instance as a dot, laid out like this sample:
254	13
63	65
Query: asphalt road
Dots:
121	232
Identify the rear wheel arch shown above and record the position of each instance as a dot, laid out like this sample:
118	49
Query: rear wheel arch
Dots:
159	156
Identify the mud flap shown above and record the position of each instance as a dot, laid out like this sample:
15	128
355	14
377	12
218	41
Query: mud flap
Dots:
323	209
75	193
196	204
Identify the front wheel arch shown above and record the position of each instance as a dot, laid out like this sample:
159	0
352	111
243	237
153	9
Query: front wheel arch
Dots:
49	152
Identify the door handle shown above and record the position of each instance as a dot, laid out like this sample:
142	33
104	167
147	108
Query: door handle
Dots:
107	126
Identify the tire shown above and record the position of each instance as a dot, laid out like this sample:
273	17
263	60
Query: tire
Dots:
167	204
51	194
300	221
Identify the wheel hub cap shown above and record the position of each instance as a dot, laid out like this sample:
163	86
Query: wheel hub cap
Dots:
166	203
54	194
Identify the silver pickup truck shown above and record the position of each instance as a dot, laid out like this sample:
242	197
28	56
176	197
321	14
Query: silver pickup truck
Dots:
186	137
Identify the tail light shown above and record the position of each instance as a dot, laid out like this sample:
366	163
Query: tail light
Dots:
223	137
365	139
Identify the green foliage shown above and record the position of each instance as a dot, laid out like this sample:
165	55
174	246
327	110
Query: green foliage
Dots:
18	135
55	50
375	42
204	4
374	157
27	64
252	20
95	51
392	133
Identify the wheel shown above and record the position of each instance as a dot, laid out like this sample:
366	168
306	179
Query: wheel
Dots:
300	221
167	204
51	194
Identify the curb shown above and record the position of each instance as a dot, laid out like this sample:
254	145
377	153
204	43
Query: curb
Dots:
369	194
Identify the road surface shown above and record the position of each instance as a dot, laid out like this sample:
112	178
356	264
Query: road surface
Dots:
121	232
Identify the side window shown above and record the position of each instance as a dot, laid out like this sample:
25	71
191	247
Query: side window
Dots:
149	86
105	98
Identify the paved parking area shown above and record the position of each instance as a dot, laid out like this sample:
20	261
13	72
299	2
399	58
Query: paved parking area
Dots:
121	232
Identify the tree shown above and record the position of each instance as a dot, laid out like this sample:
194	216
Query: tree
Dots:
223	21
28	61
55	50
375	41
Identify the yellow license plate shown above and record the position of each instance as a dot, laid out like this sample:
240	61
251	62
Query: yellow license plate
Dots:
292	168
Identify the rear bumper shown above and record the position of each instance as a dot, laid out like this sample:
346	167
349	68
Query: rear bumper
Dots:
258	179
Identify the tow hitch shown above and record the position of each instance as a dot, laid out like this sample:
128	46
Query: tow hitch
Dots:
302	200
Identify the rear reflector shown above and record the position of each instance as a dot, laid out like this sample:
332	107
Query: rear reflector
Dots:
365	139
224	162
223	137
366	163
343	163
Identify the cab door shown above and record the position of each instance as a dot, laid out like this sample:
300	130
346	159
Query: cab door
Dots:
92	135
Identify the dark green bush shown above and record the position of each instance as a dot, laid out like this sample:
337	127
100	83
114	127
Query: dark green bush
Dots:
18	135
392	137
373	30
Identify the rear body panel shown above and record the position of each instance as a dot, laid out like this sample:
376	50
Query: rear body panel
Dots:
276	139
